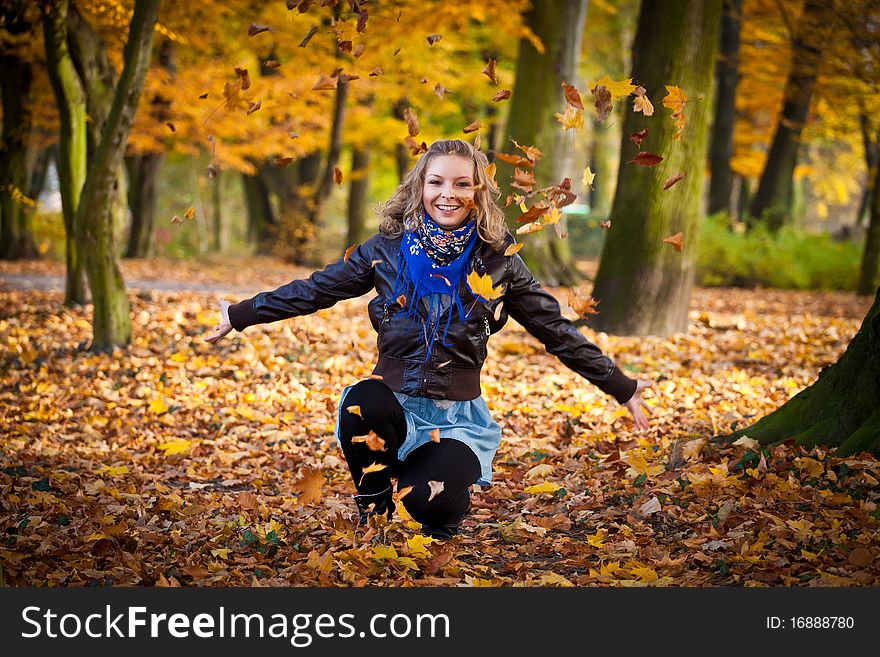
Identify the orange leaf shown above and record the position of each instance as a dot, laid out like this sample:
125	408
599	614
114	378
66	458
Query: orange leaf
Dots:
309	486
677	241
646	159
674	179
489	71
513	248
372	440
412	122
471	127
503	94
572	96
348	252
374	467
435	435
337	175
581	303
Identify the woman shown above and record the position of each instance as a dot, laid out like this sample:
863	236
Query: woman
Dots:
431	429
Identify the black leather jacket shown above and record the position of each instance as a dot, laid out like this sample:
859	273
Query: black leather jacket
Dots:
452	372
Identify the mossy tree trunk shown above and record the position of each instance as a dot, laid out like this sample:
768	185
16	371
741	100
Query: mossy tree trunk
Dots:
537	95
727	78
841	408
644	285
771	200
94	216
871	253
72	150
16	238
357	193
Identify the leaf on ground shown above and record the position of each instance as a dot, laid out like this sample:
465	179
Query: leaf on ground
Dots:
309	486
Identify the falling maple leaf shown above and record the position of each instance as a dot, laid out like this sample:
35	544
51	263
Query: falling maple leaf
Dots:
363	15
412	122
606	224
253	107
203	96
256	28
377	71
348	252
641	102
345	46
440	90
675	100
673	179
435	435
533	212
489	71
355	409
588	177
176	219
646	159
373	467
243	77
433	38
170	126
415	148
515	160
481	286
603	102
282	161
572	96
325	83
513	248
471	127
490	171
677	241
502	94
305	40
309	486
638	137
616	90
358	50
524	180
436	488
190	212
583	304
372	440
403	492
572	119
271	63
401	300
530	151
533	227
337	175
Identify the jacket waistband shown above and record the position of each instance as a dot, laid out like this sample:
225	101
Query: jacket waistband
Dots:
417	379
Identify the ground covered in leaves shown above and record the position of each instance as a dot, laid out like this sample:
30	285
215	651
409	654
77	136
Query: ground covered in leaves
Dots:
176	462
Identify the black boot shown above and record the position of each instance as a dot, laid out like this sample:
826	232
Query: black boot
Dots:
440	531
374	503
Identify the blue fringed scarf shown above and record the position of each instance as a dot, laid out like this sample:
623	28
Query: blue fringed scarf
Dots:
431	262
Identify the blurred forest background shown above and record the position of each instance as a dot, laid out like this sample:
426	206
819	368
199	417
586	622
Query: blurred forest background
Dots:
279	126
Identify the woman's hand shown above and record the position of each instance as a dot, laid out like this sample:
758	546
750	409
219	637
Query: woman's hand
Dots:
224	326
636	403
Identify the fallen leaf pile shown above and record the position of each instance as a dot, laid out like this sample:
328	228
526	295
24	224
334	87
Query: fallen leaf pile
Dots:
180	463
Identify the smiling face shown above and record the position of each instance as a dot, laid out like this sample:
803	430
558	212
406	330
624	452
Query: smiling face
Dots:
449	182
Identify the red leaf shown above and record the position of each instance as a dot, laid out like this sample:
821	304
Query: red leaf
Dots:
646	159
573	96
674	179
638	137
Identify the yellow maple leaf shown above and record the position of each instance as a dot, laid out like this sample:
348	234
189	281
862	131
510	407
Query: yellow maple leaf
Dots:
179	357
244	412
546	487
552	216
572	119
157	405
607	570
481	286
588	177
490	171
554	579
223	553
384	552
113	470
356	410
417	545
617	89
179	446
373	467
532	227
598	539
513	248
309	486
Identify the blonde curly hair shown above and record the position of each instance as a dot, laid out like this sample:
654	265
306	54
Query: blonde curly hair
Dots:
404	210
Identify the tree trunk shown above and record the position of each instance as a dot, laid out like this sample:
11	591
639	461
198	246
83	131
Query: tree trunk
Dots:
872	158
357	195
603	162
402	154
727	78
143	179
16	241
537	95
871	254
744	197
644	285
219	236
94	216
99	80
840	409
72	150
774	190
259	209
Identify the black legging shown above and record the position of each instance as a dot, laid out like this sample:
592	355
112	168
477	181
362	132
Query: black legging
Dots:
449	461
